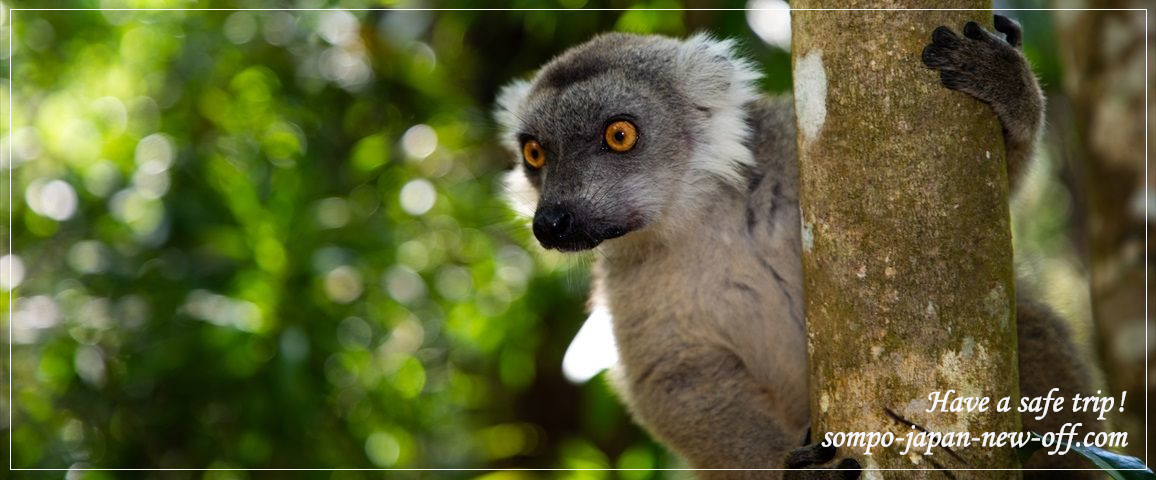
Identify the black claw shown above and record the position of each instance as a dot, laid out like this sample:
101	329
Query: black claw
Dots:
949	79
944	36
825	454
933	57
973	31
810	455
849	463
957	81
1011	29
851	468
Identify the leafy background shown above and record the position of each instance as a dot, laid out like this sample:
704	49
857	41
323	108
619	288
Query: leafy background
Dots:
278	239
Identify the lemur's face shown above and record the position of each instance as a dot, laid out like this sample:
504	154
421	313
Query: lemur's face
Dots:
602	139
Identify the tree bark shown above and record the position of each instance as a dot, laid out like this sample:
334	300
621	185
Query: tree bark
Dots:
906	235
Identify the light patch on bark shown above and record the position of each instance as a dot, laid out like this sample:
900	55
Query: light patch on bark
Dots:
808	236
915	458
825	402
811	94
954	368
871	469
968	347
916	408
995	304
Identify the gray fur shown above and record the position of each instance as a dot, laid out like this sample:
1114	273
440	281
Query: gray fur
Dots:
698	229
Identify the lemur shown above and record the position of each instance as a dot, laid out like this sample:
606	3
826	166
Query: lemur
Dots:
661	154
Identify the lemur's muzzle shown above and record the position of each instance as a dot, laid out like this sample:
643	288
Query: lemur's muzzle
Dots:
553	224
560	226
556	226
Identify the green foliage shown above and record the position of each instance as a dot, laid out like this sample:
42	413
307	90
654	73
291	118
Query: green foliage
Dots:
277	239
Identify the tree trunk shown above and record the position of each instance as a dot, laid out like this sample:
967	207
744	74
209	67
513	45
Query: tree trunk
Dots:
1103	53
906	235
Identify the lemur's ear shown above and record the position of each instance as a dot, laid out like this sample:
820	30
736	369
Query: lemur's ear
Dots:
719	82
507	110
712	73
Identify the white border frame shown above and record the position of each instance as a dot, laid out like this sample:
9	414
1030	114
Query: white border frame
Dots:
11	297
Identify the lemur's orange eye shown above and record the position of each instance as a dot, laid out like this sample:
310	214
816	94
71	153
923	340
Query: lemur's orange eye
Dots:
621	135
534	154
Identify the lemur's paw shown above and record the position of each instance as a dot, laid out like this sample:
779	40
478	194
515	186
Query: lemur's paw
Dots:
809	456
1011	29
805	464
980	63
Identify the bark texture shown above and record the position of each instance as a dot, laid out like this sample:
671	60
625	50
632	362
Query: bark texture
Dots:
906	235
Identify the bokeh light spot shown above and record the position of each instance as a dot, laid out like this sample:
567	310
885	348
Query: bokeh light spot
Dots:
354	333
383	449
11	272
89	365
338	27
155	151
89	257
419	141
53	199
240	27
404	285
418	197
332	212
771	21
343	284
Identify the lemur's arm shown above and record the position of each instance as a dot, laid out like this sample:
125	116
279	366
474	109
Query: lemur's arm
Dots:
995	72
703	402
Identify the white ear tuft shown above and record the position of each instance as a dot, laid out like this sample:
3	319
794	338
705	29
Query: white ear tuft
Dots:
507	111
520	194
716	78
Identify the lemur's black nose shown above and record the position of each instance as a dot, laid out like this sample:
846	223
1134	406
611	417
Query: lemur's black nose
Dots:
553	225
